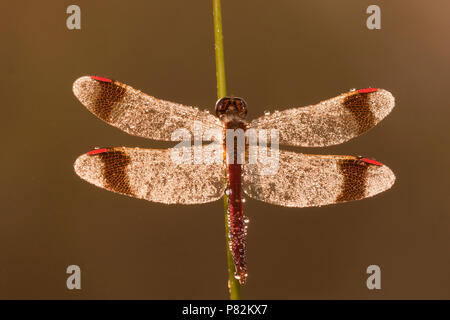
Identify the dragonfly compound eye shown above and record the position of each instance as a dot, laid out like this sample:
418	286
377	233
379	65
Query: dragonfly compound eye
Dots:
241	106
222	105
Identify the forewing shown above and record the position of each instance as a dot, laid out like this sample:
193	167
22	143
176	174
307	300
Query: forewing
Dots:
151	175
313	180
137	113
331	121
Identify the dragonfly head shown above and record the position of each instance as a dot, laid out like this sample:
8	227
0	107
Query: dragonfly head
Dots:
231	107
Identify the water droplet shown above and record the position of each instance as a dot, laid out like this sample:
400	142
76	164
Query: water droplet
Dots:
267	113
237	276
228	191
353	89
243	200
246	220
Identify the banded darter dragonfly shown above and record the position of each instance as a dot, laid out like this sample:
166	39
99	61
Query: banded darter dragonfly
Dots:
230	165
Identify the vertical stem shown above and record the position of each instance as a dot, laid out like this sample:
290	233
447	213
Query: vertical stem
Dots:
233	283
220	58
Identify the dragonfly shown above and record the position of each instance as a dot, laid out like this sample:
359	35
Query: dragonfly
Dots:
301	180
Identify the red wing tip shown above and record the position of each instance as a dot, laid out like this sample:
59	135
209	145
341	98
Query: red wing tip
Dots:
101	79
371	161
367	90
96	151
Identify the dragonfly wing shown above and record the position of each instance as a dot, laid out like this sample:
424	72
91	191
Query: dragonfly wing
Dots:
312	180
151	174
137	113
331	121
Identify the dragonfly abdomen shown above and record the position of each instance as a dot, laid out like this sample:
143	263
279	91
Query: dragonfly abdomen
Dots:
237	222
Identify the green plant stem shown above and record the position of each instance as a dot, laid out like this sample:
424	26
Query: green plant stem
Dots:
233	284
220	58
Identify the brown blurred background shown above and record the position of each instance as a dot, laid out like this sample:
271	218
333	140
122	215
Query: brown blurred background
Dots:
279	54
